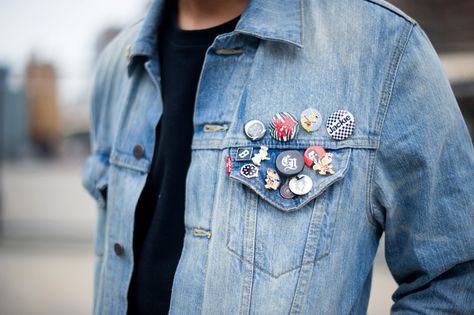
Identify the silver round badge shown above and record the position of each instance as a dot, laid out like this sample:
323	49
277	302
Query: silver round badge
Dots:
254	129
301	184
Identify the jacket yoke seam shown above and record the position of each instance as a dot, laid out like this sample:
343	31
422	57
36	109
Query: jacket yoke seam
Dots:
385	100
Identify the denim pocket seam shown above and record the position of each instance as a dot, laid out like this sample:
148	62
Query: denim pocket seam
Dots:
246	260
315	226
327	250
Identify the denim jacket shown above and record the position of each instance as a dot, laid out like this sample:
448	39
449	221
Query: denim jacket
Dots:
406	171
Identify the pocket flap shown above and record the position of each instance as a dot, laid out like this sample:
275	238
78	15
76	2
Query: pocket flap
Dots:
340	162
95	176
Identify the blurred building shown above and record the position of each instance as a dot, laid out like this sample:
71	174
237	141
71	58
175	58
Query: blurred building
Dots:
75	119
450	26
13	119
45	127
448	23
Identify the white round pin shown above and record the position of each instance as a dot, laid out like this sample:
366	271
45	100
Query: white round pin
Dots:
340	125
301	184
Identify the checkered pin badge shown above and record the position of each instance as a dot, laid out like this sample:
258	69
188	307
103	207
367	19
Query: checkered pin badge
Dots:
340	125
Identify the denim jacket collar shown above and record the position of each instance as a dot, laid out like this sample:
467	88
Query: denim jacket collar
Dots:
145	42
276	20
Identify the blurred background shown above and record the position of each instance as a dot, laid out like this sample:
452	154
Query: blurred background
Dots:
48	51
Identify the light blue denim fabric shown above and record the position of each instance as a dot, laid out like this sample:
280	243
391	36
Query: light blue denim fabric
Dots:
407	171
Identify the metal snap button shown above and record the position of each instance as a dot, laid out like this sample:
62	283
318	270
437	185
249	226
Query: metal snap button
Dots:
118	249
138	151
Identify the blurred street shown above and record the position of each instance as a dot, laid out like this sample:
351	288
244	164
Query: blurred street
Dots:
46	252
44	278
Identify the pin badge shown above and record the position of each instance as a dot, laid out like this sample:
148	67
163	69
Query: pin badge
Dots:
301	184
289	163
340	125
228	164
272	180
312	154
324	165
254	129
244	154
284	127
249	171
262	155
285	191
310	119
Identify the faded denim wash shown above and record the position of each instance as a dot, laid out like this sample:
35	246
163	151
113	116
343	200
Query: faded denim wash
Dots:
407	171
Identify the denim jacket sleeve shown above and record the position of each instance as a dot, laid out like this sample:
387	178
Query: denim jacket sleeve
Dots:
422	188
104	99
94	171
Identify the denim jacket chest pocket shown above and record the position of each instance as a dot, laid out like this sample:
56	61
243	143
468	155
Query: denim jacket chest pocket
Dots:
288	233
95	178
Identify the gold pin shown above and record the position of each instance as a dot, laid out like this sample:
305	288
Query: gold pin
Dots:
128	52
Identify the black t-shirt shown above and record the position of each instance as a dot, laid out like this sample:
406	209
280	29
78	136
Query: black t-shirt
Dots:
159	218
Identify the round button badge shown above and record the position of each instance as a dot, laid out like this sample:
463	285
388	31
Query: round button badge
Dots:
254	129
301	184
284	126
310	119
340	125
289	163
312	154
285	191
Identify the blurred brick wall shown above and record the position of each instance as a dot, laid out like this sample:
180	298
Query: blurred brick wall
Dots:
450	26
448	23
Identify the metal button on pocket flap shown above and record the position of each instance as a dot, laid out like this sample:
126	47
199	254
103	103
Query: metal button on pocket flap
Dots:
138	151
255	177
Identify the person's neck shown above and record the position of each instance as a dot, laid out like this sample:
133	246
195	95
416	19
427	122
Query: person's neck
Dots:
200	14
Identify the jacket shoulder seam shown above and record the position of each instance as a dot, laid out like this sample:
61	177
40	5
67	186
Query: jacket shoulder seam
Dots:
385	100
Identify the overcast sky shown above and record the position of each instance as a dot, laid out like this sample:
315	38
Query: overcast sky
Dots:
63	32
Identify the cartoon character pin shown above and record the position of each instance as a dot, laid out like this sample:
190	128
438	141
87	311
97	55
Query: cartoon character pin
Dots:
319	160
262	155
310	119
272	180
312	154
323	165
